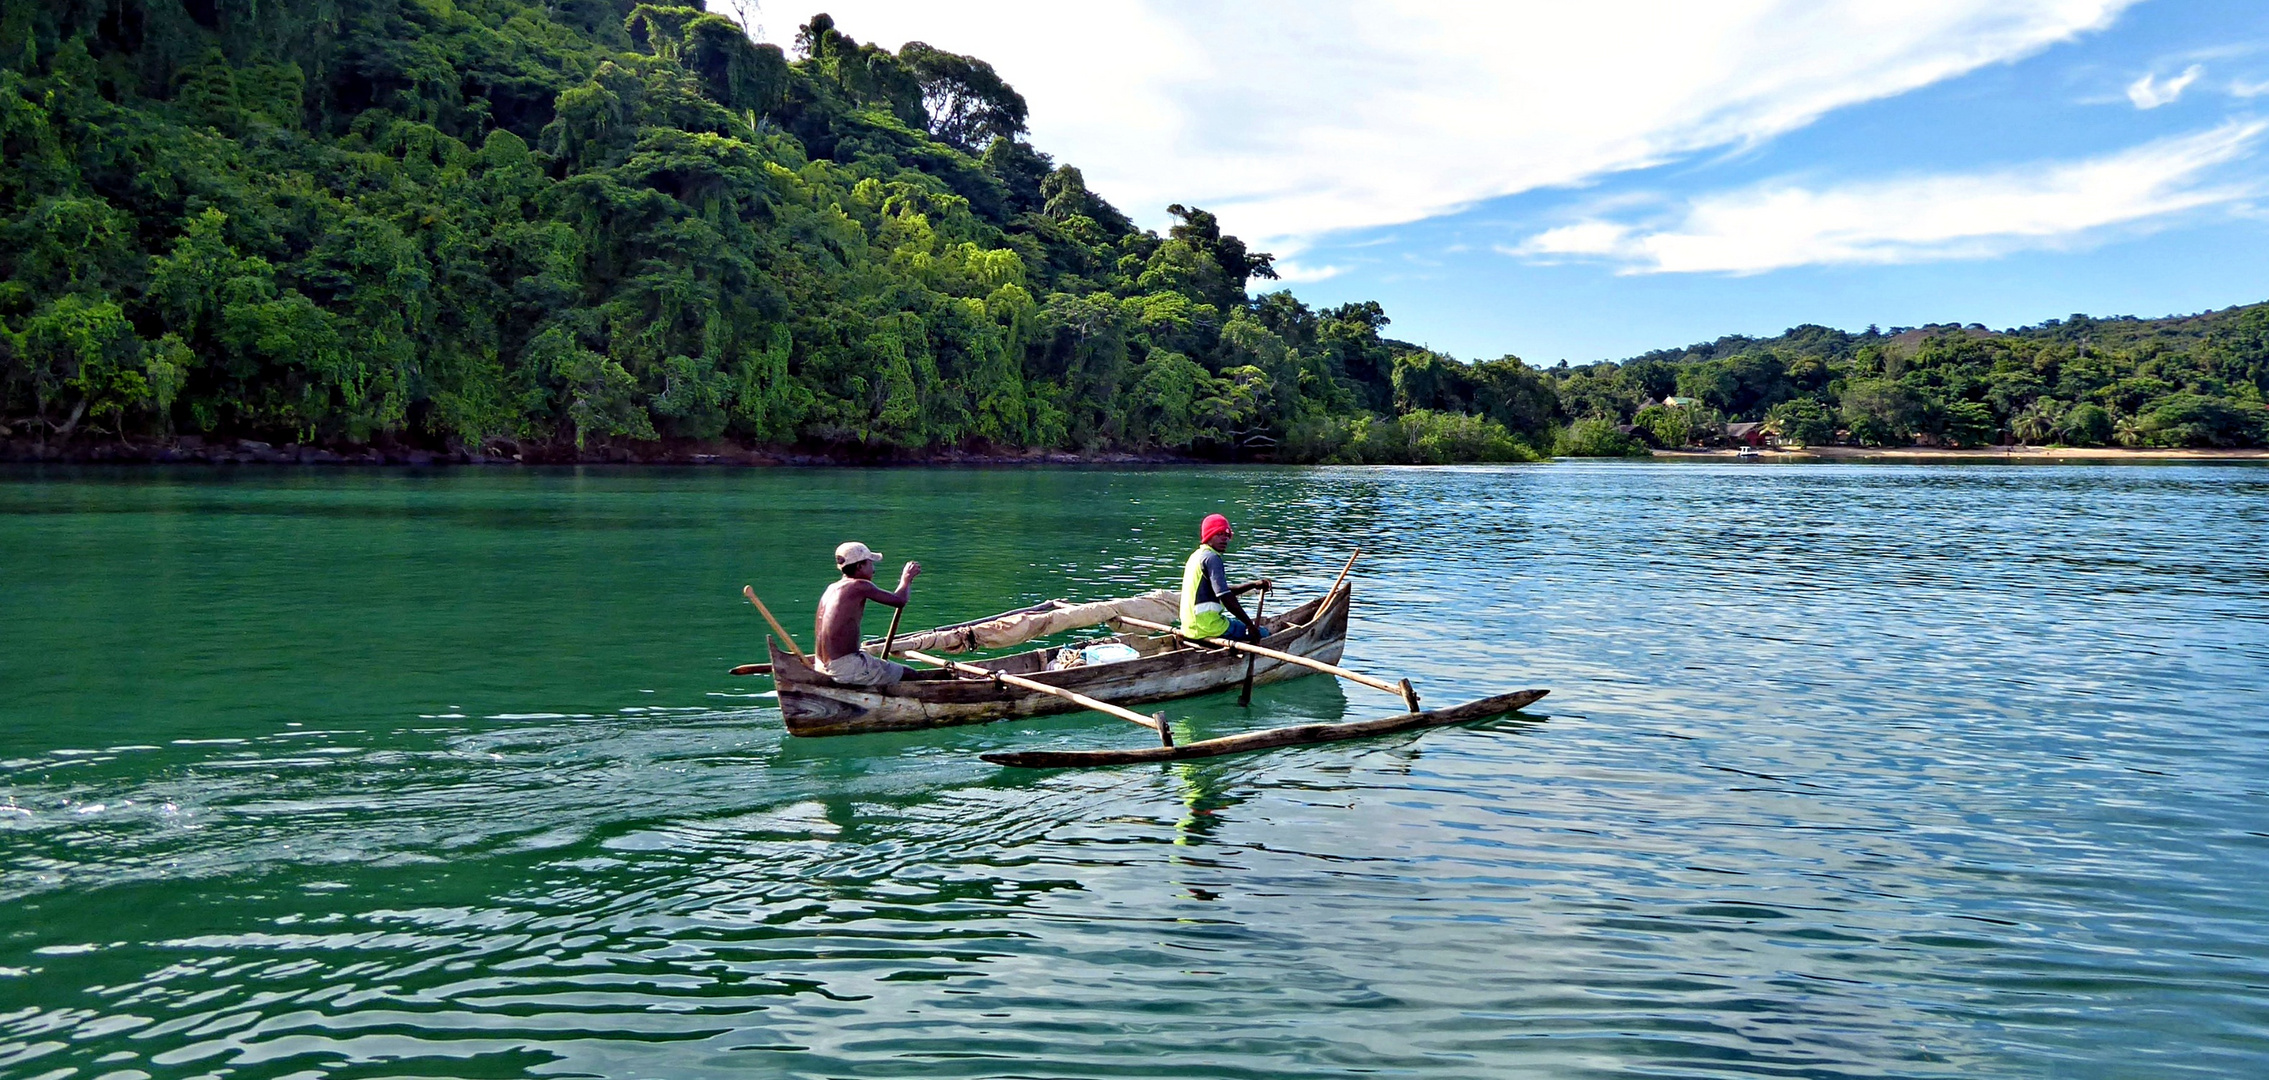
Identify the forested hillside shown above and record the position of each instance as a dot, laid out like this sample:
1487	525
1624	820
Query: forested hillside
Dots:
559	228
582	229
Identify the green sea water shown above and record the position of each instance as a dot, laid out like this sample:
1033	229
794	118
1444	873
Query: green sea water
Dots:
1847	771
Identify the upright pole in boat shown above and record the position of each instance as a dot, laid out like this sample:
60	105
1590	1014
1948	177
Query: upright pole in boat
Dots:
750	592
1155	723
1245	695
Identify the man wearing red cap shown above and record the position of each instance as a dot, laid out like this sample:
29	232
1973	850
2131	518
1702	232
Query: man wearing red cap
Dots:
1207	600
835	634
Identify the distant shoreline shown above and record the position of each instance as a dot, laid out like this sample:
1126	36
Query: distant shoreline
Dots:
713	454
2016	455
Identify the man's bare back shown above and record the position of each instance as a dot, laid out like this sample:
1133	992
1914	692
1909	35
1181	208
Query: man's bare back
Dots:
836	629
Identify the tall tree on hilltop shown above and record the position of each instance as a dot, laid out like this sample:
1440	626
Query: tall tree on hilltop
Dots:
1201	230
968	104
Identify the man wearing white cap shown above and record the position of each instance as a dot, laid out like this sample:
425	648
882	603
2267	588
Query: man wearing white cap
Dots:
836	632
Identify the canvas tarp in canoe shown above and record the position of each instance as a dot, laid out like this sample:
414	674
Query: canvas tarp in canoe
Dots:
1038	621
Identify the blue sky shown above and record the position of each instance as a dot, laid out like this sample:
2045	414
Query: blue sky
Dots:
1586	182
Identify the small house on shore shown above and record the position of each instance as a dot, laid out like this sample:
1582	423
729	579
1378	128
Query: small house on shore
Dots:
1746	434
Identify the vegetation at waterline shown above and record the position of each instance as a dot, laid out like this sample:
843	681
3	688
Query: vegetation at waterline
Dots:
2198	381
571	226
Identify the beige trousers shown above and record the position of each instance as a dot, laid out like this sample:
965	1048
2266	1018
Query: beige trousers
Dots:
863	669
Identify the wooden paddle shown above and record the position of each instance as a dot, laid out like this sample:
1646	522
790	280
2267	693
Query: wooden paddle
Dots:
892	636
1343	573
1252	660
750	592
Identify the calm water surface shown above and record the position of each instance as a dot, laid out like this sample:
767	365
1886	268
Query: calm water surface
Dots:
1847	771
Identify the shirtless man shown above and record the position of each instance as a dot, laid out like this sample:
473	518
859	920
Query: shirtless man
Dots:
836	632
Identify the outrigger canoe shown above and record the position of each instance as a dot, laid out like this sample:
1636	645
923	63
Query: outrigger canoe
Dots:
1162	667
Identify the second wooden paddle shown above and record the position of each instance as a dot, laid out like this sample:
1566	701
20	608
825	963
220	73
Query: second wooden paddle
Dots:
1245	694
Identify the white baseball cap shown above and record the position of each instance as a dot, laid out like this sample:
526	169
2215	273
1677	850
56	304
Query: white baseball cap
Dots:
854	552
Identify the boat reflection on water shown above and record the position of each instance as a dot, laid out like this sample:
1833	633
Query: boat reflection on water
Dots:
1209	787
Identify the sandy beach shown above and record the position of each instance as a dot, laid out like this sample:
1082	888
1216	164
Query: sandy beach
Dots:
2007	454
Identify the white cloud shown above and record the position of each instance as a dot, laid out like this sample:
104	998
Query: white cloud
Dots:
1914	219
2150	92
1293	119
2243	89
1294	272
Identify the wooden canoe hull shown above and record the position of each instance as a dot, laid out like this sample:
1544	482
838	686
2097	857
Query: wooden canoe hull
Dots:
813	704
1297	735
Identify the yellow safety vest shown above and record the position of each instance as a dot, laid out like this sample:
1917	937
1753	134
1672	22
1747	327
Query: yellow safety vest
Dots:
1208	619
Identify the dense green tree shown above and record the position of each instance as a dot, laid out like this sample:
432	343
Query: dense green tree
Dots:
1598	392
1429	380
1805	421
2088	424
1594	437
966	103
1665	426
1519	398
1967	423
1651	380
1881	412
2201	420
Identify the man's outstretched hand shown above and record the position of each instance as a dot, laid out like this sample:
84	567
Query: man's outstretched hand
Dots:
907	575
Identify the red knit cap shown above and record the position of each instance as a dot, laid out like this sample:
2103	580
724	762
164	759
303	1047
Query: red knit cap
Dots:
1214	525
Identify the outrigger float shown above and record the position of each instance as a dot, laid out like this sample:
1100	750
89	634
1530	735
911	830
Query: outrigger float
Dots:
1145	660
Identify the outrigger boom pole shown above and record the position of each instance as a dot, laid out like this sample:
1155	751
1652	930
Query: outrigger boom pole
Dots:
1155	723
1409	696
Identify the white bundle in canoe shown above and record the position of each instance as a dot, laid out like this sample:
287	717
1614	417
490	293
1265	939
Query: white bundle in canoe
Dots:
1038	621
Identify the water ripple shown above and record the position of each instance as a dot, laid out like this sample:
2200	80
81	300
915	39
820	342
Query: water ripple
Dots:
1848	772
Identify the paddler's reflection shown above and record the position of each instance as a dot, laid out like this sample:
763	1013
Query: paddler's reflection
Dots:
1204	796
1205	786
842	811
